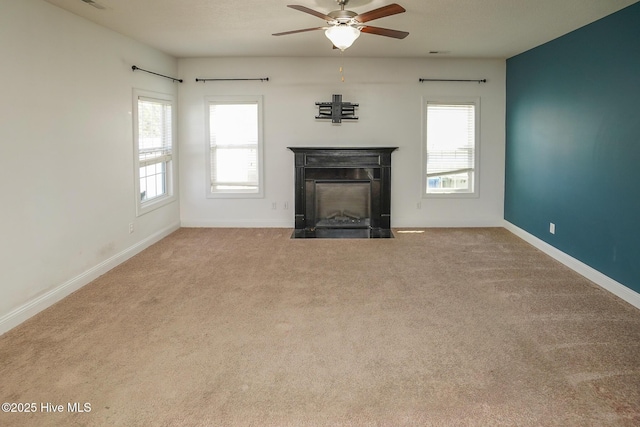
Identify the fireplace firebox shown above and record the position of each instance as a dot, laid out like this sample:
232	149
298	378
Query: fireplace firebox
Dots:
342	192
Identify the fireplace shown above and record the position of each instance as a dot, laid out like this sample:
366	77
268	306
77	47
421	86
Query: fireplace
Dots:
342	192
342	204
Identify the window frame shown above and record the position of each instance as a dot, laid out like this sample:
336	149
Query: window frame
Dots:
143	207
475	101
231	100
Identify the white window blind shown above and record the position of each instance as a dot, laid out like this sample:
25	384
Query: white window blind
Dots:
450	148
155	147
234	147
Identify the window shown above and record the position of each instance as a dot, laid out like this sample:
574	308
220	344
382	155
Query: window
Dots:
451	148
154	118
234	146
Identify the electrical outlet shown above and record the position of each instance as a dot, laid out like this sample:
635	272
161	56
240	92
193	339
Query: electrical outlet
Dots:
274	205
285	205
552	228
130	227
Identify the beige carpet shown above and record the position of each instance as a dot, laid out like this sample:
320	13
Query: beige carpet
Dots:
246	327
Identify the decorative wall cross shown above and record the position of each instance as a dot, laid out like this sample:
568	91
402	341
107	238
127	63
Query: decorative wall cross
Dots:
336	110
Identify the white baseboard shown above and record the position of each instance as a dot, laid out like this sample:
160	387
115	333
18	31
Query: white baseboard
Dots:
36	305
444	223
602	280
212	223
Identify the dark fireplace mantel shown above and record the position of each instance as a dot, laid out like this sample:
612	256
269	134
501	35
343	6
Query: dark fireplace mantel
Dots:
342	192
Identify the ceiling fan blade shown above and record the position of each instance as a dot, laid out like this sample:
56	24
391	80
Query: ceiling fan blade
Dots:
298	31
381	12
311	12
384	32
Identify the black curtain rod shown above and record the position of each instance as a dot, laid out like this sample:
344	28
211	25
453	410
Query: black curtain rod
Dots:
451	80
151	72
263	79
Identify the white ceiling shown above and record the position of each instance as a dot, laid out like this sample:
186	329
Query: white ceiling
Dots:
461	28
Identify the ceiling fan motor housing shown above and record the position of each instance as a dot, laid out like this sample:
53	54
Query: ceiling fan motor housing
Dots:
343	16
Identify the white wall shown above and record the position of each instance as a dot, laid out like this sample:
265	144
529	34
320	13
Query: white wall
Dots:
66	154
390	113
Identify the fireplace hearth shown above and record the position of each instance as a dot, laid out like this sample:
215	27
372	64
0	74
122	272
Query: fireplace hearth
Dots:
342	192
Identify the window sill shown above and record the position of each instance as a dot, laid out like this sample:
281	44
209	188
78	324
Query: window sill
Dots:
143	208
235	195
451	195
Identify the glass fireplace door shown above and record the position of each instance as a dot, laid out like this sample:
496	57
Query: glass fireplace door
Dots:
343	204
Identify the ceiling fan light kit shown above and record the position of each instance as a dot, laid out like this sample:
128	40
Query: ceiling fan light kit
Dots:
342	36
345	26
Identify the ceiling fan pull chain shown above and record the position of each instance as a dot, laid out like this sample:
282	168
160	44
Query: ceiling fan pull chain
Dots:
342	66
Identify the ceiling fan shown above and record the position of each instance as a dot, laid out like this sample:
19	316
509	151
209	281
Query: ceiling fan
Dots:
344	26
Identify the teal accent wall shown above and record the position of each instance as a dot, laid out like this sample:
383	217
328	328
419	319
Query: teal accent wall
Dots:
573	144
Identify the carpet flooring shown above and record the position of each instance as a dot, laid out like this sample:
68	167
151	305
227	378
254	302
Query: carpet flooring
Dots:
247	327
